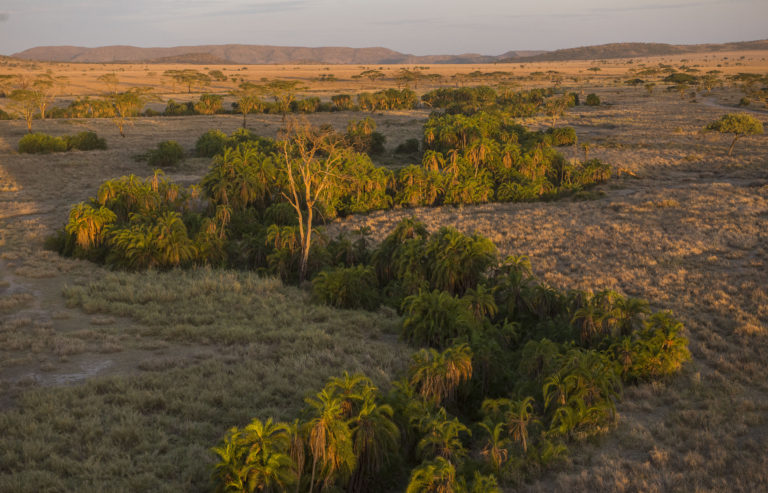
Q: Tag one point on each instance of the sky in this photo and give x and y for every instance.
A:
(419, 27)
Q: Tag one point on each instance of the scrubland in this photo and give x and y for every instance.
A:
(115, 381)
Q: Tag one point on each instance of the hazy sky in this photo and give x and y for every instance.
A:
(419, 27)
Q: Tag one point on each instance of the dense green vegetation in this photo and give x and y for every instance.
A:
(246, 214)
(513, 373)
(40, 143)
(476, 408)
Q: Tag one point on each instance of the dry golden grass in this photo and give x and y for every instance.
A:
(82, 78)
(683, 226)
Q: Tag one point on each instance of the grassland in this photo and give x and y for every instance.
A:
(112, 381)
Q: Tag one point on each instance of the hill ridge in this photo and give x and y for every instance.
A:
(273, 54)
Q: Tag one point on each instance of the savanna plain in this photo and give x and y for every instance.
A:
(115, 379)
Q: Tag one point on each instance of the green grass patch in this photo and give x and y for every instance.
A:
(153, 431)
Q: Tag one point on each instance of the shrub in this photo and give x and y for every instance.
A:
(4, 115)
(39, 143)
(347, 287)
(562, 136)
(172, 108)
(592, 100)
(680, 78)
(745, 101)
(85, 141)
(410, 146)
(210, 143)
(167, 153)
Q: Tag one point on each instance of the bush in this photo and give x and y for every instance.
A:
(562, 136)
(172, 108)
(592, 100)
(4, 115)
(168, 153)
(410, 146)
(347, 287)
(85, 141)
(39, 143)
(210, 143)
(745, 101)
(680, 78)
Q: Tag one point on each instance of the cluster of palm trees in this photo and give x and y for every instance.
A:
(144, 223)
(525, 369)
(468, 159)
(469, 100)
(349, 437)
(485, 156)
(387, 99)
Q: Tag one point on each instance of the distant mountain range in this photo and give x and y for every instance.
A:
(260, 54)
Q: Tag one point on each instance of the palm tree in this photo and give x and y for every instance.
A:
(442, 437)
(230, 472)
(438, 375)
(519, 418)
(496, 449)
(481, 302)
(629, 312)
(330, 439)
(88, 224)
(588, 319)
(171, 241)
(353, 390)
(624, 351)
(437, 476)
(297, 450)
(457, 261)
(555, 391)
(435, 318)
(375, 438)
(254, 459)
(270, 467)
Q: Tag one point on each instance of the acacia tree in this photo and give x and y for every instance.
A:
(283, 92)
(189, 78)
(371, 75)
(556, 106)
(311, 160)
(738, 124)
(31, 95)
(43, 90)
(127, 105)
(110, 80)
(248, 96)
(23, 101)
